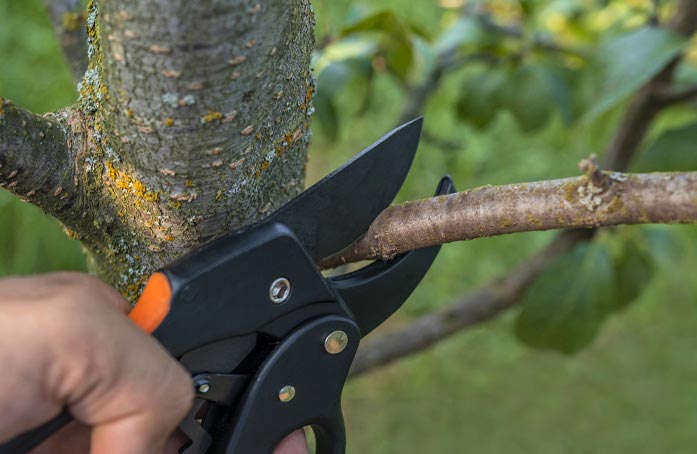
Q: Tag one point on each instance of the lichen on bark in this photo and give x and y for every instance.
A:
(192, 121)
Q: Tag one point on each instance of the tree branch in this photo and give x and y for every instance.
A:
(545, 205)
(472, 308)
(633, 127)
(36, 162)
(68, 20)
(677, 95)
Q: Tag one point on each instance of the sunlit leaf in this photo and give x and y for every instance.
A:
(466, 30)
(565, 306)
(673, 150)
(625, 62)
(353, 47)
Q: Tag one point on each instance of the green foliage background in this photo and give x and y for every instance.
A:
(624, 304)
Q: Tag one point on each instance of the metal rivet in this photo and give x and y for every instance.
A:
(203, 387)
(286, 394)
(336, 342)
(279, 290)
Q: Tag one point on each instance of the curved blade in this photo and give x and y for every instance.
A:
(333, 212)
(376, 291)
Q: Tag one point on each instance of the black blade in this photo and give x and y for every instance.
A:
(376, 291)
(333, 212)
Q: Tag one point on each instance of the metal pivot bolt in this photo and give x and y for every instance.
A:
(336, 342)
(203, 387)
(279, 290)
(286, 394)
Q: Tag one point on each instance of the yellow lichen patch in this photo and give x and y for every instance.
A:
(189, 183)
(169, 238)
(71, 233)
(308, 97)
(507, 221)
(176, 204)
(263, 166)
(211, 116)
(616, 204)
(569, 191)
(127, 183)
(169, 122)
(219, 195)
(132, 292)
(73, 20)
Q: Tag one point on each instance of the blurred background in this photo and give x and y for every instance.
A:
(516, 91)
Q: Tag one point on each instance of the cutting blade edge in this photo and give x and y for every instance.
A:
(336, 210)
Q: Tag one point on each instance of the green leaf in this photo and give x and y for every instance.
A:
(565, 306)
(326, 115)
(344, 50)
(533, 99)
(465, 31)
(627, 61)
(634, 269)
(674, 150)
(397, 44)
(482, 96)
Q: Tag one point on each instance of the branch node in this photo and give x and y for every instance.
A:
(592, 170)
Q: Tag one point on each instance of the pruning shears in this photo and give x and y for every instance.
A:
(267, 338)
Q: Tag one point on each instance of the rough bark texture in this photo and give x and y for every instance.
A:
(192, 120)
(618, 198)
(36, 162)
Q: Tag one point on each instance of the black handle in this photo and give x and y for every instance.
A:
(30, 440)
(299, 385)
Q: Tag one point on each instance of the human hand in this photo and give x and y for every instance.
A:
(68, 343)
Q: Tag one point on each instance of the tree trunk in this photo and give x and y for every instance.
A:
(192, 120)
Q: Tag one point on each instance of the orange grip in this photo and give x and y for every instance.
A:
(154, 303)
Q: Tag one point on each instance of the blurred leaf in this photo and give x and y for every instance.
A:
(333, 78)
(665, 244)
(397, 43)
(634, 269)
(564, 307)
(674, 150)
(464, 31)
(326, 115)
(482, 96)
(343, 50)
(626, 62)
(533, 98)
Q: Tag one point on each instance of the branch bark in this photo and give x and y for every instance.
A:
(545, 205)
(68, 21)
(36, 161)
